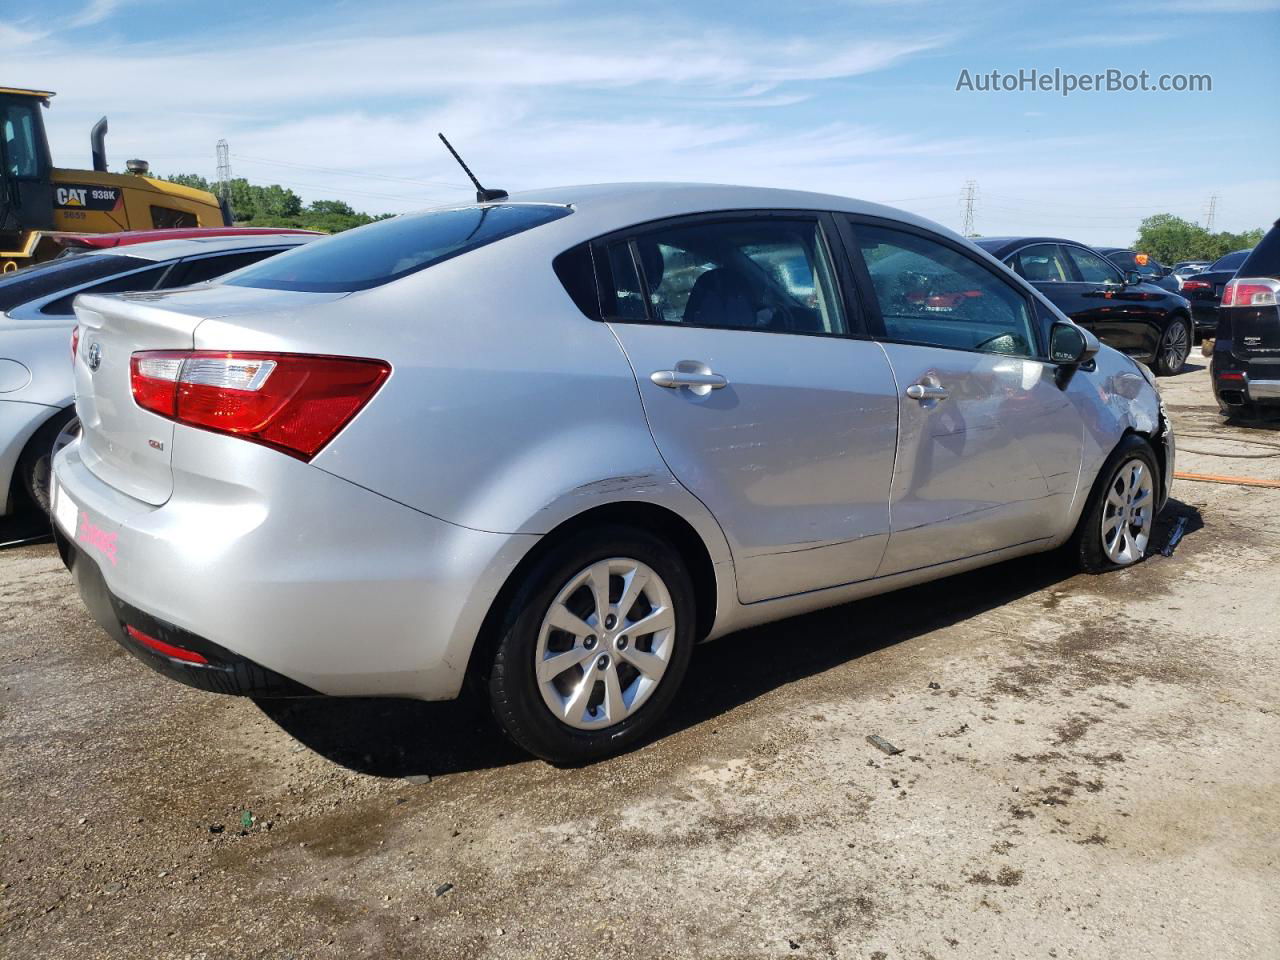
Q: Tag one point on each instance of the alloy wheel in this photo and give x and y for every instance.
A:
(1177, 347)
(605, 643)
(1128, 513)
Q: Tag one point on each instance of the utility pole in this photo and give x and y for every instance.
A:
(224, 171)
(1213, 210)
(970, 195)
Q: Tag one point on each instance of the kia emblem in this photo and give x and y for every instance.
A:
(94, 358)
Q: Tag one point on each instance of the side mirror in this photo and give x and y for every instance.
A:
(1132, 278)
(1070, 346)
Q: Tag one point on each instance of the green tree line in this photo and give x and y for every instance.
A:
(253, 205)
(1169, 239)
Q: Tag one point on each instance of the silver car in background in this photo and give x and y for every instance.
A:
(37, 318)
(548, 444)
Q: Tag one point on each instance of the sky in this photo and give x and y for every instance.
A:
(342, 100)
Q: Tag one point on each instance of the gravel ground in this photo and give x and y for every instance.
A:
(1090, 769)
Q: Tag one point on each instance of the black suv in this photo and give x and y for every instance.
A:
(1147, 322)
(1246, 352)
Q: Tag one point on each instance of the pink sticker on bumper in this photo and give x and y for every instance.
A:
(94, 536)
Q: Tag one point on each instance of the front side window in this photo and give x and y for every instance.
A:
(931, 294)
(1042, 263)
(1093, 268)
(18, 126)
(390, 249)
(768, 274)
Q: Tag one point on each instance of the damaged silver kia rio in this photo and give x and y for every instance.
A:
(549, 443)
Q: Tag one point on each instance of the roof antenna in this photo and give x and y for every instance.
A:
(482, 195)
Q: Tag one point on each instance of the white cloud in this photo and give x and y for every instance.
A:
(95, 11)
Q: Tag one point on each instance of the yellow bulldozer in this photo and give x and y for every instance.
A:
(40, 202)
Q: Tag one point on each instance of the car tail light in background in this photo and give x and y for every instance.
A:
(75, 342)
(293, 402)
(1196, 284)
(1250, 292)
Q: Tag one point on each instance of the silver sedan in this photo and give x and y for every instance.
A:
(548, 444)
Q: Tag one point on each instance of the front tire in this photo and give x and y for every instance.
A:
(1175, 347)
(593, 645)
(1115, 528)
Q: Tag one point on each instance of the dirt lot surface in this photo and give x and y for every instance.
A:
(1090, 768)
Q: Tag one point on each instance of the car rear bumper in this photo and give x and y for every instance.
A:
(221, 672)
(1238, 382)
(305, 575)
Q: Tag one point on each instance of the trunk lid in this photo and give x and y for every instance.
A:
(125, 446)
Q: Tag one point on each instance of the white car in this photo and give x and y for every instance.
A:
(36, 320)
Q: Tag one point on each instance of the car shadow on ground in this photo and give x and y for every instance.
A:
(405, 738)
(23, 528)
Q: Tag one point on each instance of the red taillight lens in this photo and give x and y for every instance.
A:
(1250, 293)
(75, 342)
(1196, 285)
(294, 402)
(168, 649)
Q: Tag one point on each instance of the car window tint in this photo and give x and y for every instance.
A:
(390, 249)
(770, 274)
(187, 272)
(627, 302)
(1093, 268)
(1042, 263)
(42, 279)
(931, 294)
(142, 280)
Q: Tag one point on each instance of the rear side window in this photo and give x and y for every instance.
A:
(142, 280)
(1042, 263)
(43, 279)
(770, 274)
(187, 272)
(390, 249)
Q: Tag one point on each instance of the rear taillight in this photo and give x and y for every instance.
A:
(1250, 292)
(1196, 285)
(293, 402)
(75, 342)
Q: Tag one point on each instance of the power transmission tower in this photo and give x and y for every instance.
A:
(970, 196)
(1213, 210)
(224, 171)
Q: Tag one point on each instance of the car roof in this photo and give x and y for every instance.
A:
(999, 246)
(126, 238)
(602, 207)
(158, 250)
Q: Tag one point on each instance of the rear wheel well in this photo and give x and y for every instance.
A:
(648, 517)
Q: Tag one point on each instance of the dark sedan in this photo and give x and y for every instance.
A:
(1246, 351)
(1204, 290)
(1143, 320)
(1151, 270)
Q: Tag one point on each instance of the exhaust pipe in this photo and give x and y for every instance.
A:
(98, 144)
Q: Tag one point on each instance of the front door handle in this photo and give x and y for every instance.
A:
(927, 391)
(680, 378)
(695, 375)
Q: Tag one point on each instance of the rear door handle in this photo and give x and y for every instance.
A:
(926, 391)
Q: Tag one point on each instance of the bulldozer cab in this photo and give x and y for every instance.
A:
(26, 194)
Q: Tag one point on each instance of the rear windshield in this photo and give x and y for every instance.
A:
(41, 279)
(389, 249)
(1264, 261)
(1231, 261)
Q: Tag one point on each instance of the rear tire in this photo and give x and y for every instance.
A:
(570, 683)
(1175, 347)
(1115, 528)
(35, 466)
